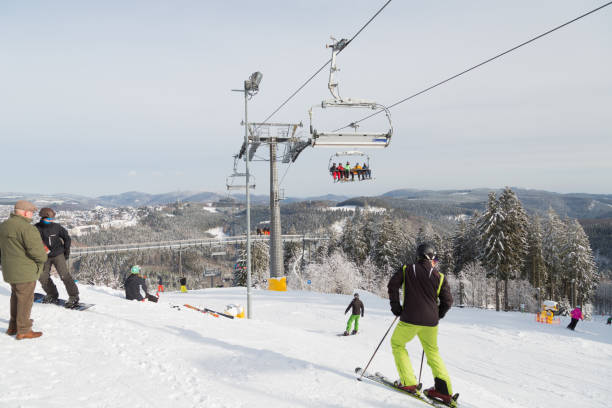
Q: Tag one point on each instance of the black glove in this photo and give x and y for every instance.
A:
(396, 308)
(441, 313)
(66, 257)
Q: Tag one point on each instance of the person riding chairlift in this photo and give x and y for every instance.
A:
(334, 171)
(356, 170)
(340, 170)
(347, 170)
(365, 172)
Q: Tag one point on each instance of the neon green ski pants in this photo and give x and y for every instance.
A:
(403, 333)
(353, 318)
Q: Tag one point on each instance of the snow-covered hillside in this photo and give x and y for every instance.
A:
(134, 354)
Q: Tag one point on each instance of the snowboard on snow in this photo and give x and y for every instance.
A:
(381, 379)
(38, 298)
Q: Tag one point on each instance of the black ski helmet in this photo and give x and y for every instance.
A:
(356, 295)
(425, 251)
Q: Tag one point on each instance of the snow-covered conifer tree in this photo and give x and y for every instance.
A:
(494, 241)
(553, 234)
(535, 267)
(515, 228)
(579, 264)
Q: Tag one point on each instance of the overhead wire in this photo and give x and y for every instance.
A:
(429, 88)
(326, 63)
(317, 72)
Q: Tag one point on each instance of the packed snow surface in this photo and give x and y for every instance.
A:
(135, 354)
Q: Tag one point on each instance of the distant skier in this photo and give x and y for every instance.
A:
(160, 284)
(576, 315)
(422, 285)
(183, 282)
(357, 306)
(609, 321)
(135, 285)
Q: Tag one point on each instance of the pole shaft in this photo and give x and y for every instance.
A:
(248, 206)
(421, 370)
(276, 249)
(381, 340)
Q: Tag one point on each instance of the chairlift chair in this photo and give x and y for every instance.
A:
(347, 139)
(352, 157)
(237, 181)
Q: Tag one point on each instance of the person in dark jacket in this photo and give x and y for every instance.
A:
(423, 286)
(56, 239)
(357, 306)
(160, 284)
(133, 285)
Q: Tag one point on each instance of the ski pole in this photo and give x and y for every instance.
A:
(421, 370)
(381, 340)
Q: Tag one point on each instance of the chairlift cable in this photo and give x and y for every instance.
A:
(317, 72)
(326, 63)
(284, 174)
(477, 65)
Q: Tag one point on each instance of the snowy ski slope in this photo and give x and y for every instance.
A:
(134, 354)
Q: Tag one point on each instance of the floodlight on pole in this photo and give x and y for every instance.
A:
(251, 85)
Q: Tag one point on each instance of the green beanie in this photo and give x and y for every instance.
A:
(135, 269)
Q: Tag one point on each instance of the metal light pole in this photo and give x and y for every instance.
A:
(251, 87)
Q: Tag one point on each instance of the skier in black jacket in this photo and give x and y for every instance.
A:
(357, 306)
(426, 299)
(56, 239)
(133, 284)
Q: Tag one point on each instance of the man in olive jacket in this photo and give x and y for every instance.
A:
(22, 256)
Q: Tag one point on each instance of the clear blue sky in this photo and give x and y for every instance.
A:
(106, 97)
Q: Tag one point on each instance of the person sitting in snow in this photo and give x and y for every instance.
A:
(135, 285)
(357, 306)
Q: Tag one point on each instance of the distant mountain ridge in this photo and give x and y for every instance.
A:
(575, 205)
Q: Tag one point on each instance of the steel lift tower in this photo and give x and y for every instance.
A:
(274, 134)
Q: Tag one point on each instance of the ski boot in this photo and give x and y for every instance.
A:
(50, 299)
(72, 302)
(412, 389)
(346, 333)
(354, 332)
(439, 393)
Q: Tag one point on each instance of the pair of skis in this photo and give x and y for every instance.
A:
(381, 379)
(208, 311)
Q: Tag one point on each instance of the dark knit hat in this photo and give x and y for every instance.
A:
(46, 213)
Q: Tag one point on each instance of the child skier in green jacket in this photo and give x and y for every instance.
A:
(358, 308)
